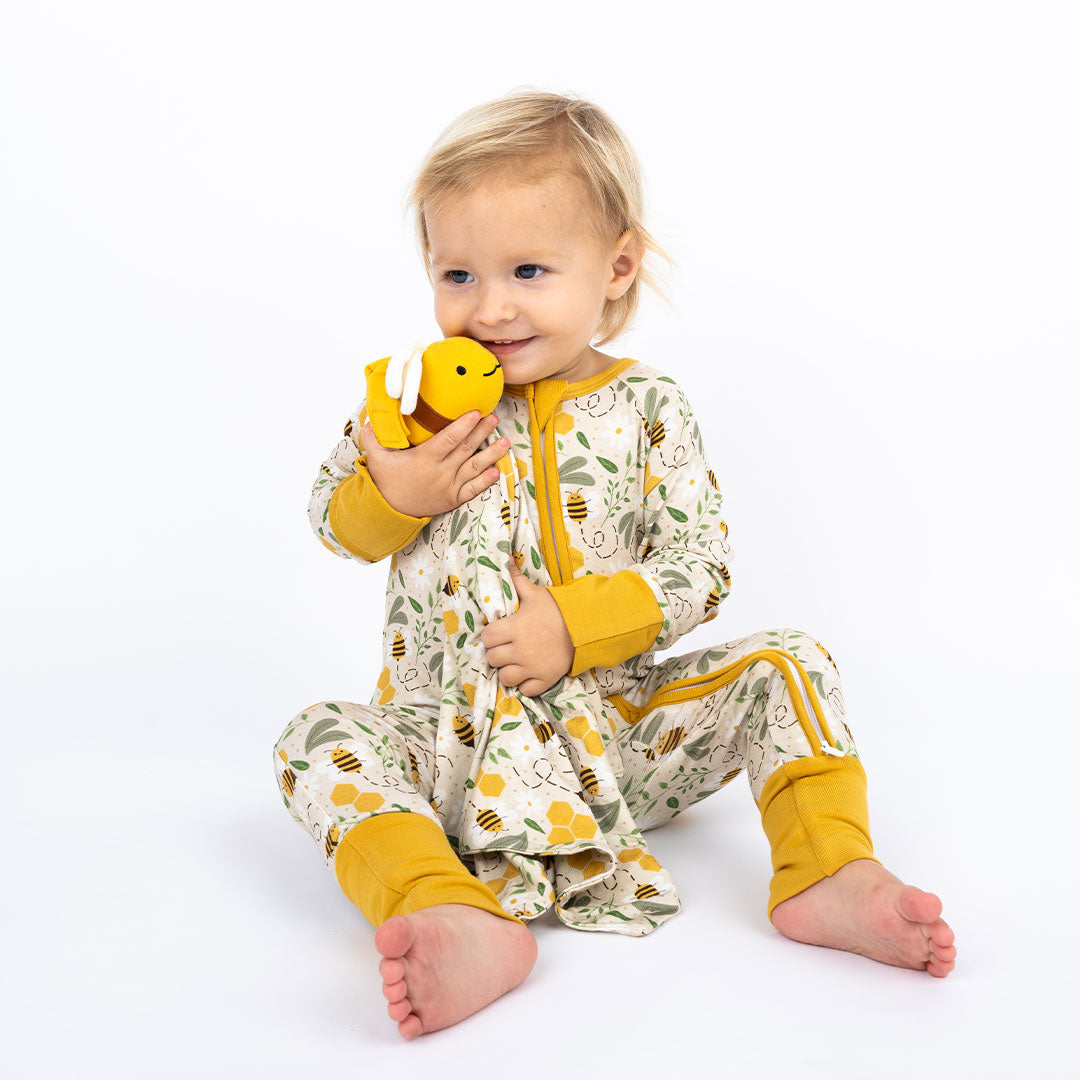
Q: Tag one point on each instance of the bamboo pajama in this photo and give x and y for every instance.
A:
(607, 499)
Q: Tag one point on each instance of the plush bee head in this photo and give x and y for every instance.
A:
(412, 398)
(458, 374)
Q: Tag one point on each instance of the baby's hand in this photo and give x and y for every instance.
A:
(531, 648)
(439, 474)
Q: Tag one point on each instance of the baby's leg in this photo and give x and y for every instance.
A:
(772, 703)
(358, 778)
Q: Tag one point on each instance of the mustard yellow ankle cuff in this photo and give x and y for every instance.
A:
(815, 815)
(397, 863)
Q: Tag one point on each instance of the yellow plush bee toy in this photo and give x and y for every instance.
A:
(412, 397)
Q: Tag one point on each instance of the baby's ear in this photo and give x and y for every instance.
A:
(627, 254)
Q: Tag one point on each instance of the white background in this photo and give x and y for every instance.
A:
(874, 215)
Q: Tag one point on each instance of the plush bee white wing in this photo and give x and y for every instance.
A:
(403, 377)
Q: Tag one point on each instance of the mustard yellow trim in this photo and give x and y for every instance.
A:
(397, 863)
(609, 618)
(364, 523)
(814, 812)
(553, 496)
(695, 687)
(573, 389)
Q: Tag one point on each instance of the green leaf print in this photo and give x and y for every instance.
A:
(396, 614)
(507, 592)
(300, 766)
(334, 735)
(635, 378)
(457, 523)
(609, 465)
(483, 560)
(470, 622)
(333, 708)
(678, 515)
(584, 442)
(460, 643)
(651, 907)
(532, 824)
(416, 606)
(510, 727)
(672, 802)
(605, 814)
(535, 556)
(672, 579)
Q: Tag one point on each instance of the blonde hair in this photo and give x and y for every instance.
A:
(554, 133)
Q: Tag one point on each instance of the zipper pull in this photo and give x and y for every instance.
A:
(831, 751)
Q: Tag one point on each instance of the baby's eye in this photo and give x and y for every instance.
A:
(458, 277)
(529, 271)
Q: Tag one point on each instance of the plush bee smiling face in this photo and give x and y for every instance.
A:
(410, 398)
(459, 374)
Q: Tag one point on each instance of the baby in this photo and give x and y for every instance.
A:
(521, 738)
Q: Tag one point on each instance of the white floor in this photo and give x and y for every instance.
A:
(167, 919)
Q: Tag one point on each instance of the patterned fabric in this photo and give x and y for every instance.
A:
(545, 799)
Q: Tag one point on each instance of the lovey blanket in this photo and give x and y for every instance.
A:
(530, 786)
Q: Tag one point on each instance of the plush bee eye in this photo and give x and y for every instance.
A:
(460, 370)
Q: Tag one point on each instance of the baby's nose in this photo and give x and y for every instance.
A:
(494, 306)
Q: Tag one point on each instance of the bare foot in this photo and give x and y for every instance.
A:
(864, 909)
(443, 963)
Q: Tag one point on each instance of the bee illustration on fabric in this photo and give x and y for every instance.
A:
(725, 574)
(489, 820)
(589, 782)
(519, 558)
(288, 781)
(464, 730)
(828, 656)
(576, 507)
(333, 835)
(712, 600)
(345, 760)
(414, 768)
(348, 427)
(544, 731)
(644, 892)
(722, 526)
(712, 480)
(656, 433)
(670, 742)
(729, 776)
(504, 513)
(452, 585)
(397, 650)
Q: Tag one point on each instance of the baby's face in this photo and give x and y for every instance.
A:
(523, 263)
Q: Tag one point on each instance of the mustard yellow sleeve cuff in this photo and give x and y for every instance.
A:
(365, 523)
(397, 863)
(609, 619)
(815, 815)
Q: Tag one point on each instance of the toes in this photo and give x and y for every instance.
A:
(398, 1010)
(394, 991)
(918, 906)
(410, 1027)
(392, 971)
(945, 954)
(395, 937)
(941, 933)
(939, 969)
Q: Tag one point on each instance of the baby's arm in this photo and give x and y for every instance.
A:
(348, 510)
(679, 575)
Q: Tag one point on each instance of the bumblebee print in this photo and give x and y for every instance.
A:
(668, 744)
(489, 820)
(345, 760)
(464, 730)
(576, 507)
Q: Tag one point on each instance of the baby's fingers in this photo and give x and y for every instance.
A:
(470, 482)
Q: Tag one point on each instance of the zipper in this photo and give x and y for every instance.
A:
(550, 514)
